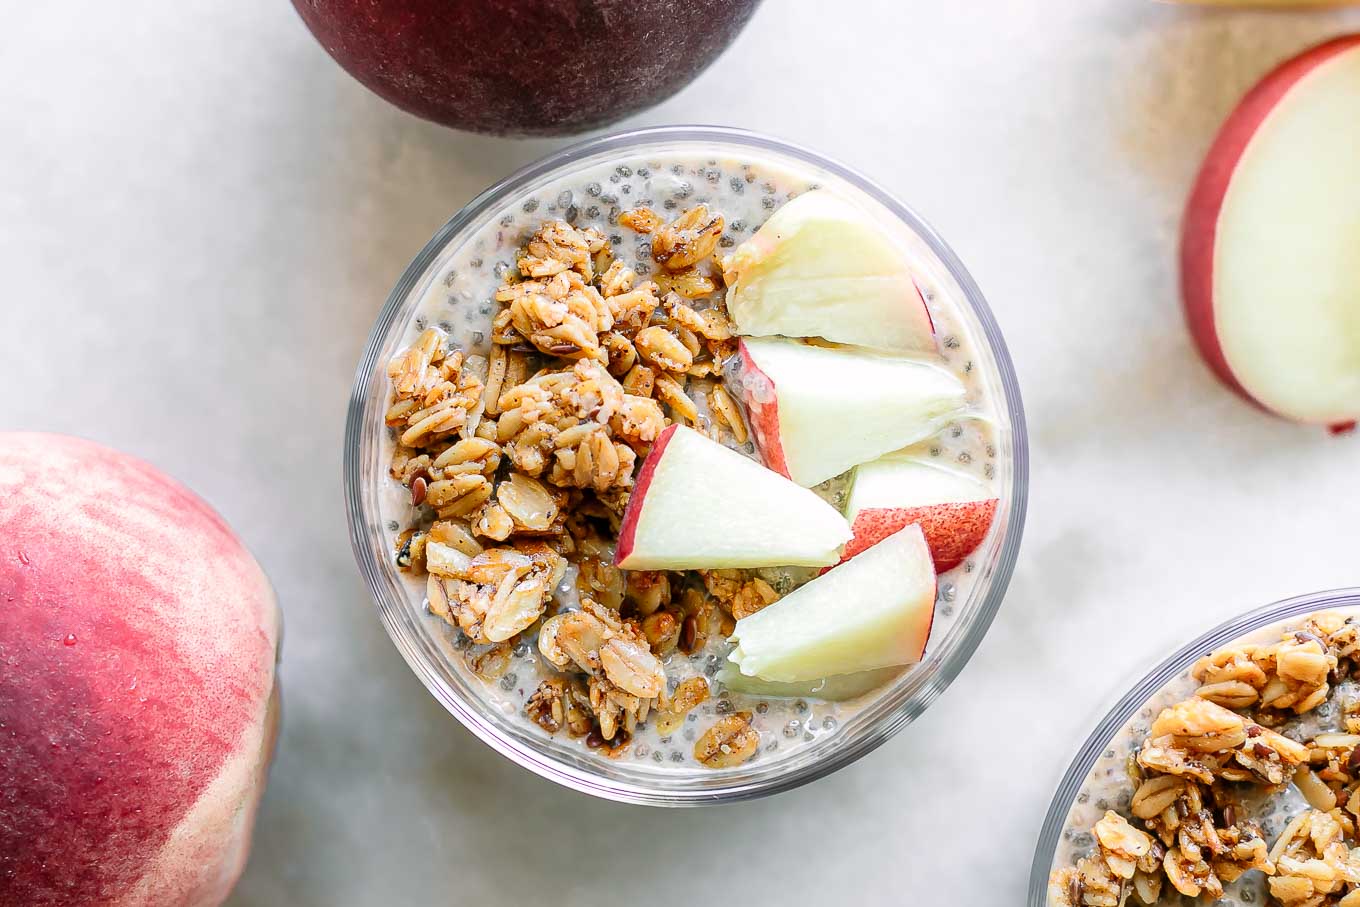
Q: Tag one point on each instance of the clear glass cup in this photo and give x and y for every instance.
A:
(416, 633)
(1177, 665)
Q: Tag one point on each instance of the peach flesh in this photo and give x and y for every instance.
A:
(1201, 227)
(137, 701)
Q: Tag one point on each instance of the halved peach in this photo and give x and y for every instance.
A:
(1271, 241)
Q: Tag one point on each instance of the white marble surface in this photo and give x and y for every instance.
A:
(202, 215)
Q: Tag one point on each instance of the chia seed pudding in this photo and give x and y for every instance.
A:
(1179, 810)
(460, 305)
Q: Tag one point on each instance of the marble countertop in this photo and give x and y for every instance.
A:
(203, 215)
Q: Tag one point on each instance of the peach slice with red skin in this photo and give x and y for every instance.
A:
(954, 511)
(822, 266)
(1268, 246)
(138, 704)
(698, 505)
(874, 611)
(817, 411)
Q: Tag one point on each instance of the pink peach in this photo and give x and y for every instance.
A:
(138, 703)
(1268, 242)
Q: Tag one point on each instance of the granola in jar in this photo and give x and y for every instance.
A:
(561, 340)
(1236, 785)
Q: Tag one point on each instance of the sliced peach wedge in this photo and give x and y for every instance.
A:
(698, 505)
(873, 611)
(836, 688)
(1270, 248)
(954, 510)
(821, 266)
(817, 411)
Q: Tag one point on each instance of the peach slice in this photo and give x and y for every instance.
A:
(698, 505)
(1270, 239)
(817, 411)
(823, 267)
(874, 611)
(837, 688)
(954, 510)
(138, 704)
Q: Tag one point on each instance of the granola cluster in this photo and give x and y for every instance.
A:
(1208, 756)
(520, 466)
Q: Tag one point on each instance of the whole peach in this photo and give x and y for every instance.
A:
(138, 704)
(525, 67)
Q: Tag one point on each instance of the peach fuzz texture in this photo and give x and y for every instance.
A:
(632, 512)
(1199, 229)
(759, 394)
(953, 531)
(138, 705)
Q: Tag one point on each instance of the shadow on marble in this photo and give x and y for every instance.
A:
(1188, 68)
